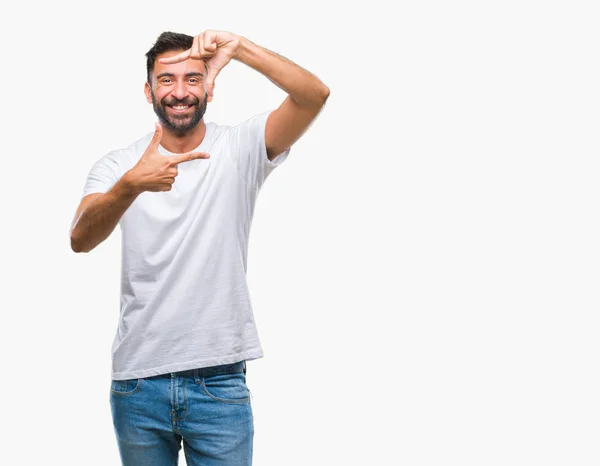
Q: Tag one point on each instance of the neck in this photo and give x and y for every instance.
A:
(181, 143)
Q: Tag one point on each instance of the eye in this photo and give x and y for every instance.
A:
(193, 80)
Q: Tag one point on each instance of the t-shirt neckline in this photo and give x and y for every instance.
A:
(200, 148)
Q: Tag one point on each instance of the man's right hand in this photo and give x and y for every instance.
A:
(157, 172)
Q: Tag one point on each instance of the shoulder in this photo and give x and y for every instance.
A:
(249, 130)
(137, 147)
(255, 121)
(122, 154)
(120, 160)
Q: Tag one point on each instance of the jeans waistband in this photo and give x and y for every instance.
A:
(232, 368)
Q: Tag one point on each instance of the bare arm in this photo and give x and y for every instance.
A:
(306, 95)
(303, 87)
(98, 215)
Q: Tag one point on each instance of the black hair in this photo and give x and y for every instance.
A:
(166, 42)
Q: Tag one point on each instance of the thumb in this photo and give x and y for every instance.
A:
(157, 136)
(210, 81)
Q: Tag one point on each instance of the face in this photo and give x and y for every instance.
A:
(177, 93)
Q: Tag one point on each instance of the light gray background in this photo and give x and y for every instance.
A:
(424, 268)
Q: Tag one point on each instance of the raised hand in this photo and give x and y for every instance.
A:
(216, 48)
(157, 172)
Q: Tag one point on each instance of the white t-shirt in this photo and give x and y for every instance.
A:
(184, 297)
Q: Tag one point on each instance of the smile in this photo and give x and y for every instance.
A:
(179, 108)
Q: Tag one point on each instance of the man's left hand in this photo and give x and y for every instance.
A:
(216, 48)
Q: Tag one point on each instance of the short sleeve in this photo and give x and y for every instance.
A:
(249, 151)
(102, 176)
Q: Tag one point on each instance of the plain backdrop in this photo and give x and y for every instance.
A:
(423, 268)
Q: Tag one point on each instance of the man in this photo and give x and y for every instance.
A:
(184, 198)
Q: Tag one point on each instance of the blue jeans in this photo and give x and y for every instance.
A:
(208, 408)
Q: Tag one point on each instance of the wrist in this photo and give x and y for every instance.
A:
(128, 185)
(244, 49)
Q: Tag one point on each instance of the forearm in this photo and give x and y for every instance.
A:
(100, 217)
(301, 85)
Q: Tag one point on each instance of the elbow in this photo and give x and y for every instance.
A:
(76, 247)
(76, 243)
(320, 98)
(79, 249)
(325, 93)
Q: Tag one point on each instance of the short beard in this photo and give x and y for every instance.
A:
(179, 125)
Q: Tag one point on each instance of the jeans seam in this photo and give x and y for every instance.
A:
(223, 400)
(131, 392)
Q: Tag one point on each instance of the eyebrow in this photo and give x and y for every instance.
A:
(187, 75)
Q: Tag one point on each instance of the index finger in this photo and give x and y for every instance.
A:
(177, 159)
(176, 58)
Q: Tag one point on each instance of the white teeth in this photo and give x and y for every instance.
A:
(180, 107)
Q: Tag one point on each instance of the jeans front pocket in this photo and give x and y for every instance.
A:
(226, 388)
(125, 387)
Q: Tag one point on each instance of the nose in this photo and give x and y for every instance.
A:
(180, 90)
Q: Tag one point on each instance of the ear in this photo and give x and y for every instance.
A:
(148, 92)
